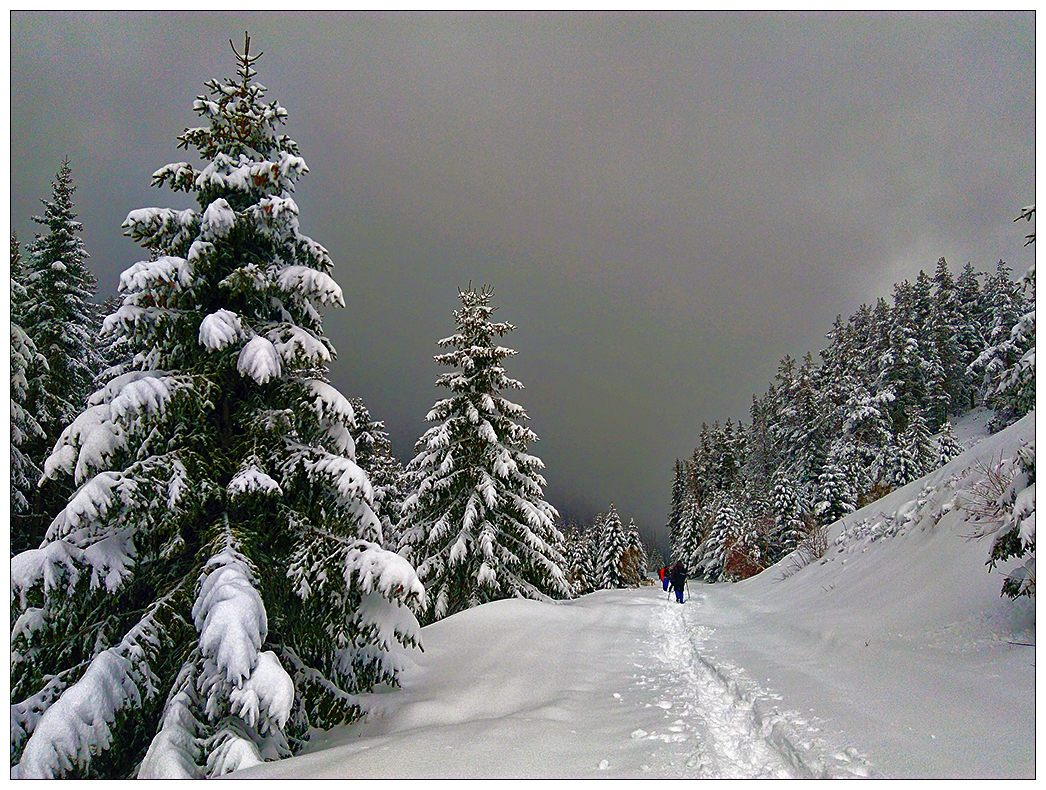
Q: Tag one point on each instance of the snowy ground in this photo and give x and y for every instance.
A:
(894, 656)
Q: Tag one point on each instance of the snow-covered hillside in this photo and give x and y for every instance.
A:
(893, 656)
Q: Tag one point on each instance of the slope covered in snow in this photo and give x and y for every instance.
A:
(892, 656)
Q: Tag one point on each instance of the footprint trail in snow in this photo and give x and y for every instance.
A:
(720, 725)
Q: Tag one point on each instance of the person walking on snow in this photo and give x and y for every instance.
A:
(665, 576)
(678, 580)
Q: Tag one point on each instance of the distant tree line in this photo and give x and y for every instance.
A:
(871, 415)
(605, 554)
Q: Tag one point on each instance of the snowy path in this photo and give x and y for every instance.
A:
(722, 725)
(616, 684)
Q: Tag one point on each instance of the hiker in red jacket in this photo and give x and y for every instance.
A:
(664, 576)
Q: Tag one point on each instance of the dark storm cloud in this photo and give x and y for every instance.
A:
(666, 204)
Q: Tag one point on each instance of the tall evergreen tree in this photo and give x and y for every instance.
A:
(613, 547)
(696, 525)
(478, 526)
(917, 443)
(834, 496)
(950, 334)
(1005, 365)
(675, 512)
(726, 525)
(580, 566)
(216, 586)
(59, 314)
(635, 559)
(374, 456)
(59, 317)
(861, 447)
(791, 516)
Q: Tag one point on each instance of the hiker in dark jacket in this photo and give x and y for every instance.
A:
(678, 580)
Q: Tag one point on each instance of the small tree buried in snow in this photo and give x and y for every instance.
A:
(477, 525)
(216, 586)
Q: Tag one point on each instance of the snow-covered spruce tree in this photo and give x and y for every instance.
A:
(710, 557)
(216, 586)
(59, 314)
(916, 441)
(834, 498)
(613, 546)
(1016, 535)
(580, 573)
(26, 365)
(675, 511)
(634, 561)
(60, 318)
(374, 456)
(864, 437)
(947, 446)
(748, 544)
(477, 526)
(1007, 362)
(699, 523)
(791, 515)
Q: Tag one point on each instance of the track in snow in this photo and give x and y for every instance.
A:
(719, 724)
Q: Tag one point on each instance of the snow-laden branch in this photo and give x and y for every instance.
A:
(78, 725)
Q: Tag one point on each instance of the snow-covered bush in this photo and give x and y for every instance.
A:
(216, 586)
(1002, 506)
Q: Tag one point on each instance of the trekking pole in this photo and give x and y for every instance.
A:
(687, 589)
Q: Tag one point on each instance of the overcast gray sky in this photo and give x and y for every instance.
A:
(666, 204)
